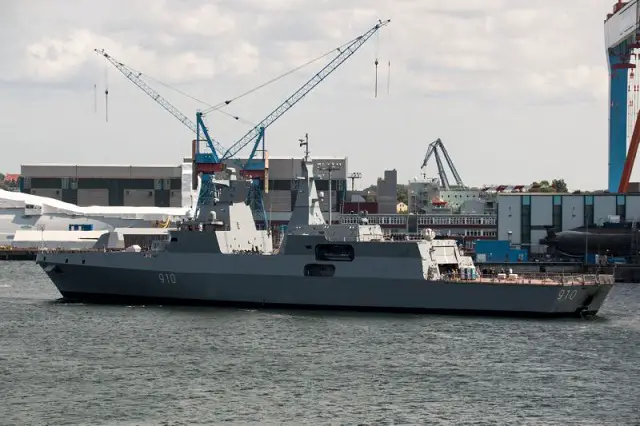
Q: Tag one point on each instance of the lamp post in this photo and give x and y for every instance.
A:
(353, 176)
(329, 167)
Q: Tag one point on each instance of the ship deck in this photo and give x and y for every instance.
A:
(543, 279)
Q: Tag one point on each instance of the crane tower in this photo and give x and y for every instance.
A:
(622, 43)
(433, 151)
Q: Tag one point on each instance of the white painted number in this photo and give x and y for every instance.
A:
(567, 294)
(167, 278)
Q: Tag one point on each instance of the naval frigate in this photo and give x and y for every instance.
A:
(226, 260)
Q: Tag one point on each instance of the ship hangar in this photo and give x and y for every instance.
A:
(523, 219)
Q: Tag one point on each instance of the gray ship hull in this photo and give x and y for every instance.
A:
(259, 281)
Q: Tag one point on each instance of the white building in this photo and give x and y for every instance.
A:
(426, 195)
(524, 218)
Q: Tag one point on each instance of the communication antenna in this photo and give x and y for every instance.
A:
(305, 142)
(353, 176)
(106, 92)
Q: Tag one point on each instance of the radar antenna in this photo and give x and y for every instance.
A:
(305, 142)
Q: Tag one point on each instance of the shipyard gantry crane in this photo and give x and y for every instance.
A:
(344, 53)
(622, 46)
(213, 159)
(433, 151)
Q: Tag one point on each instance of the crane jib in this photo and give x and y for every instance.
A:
(342, 56)
(255, 134)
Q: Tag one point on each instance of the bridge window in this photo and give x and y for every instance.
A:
(316, 270)
(335, 252)
(81, 227)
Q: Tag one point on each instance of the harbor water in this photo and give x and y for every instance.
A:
(78, 364)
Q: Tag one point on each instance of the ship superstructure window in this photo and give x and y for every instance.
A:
(316, 270)
(81, 227)
(335, 252)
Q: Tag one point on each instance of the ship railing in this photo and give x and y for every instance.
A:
(553, 279)
(422, 219)
(68, 250)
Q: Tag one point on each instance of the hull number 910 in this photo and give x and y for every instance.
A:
(567, 294)
(166, 278)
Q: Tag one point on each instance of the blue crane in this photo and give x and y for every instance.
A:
(257, 133)
(207, 163)
(258, 169)
(199, 128)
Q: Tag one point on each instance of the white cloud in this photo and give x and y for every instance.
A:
(492, 54)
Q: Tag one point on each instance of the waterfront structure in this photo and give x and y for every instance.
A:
(523, 219)
(21, 211)
(162, 186)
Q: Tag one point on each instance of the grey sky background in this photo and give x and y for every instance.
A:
(516, 89)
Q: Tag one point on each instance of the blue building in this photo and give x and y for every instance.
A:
(499, 251)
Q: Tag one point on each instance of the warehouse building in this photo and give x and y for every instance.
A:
(524, 218)
(105, 185)
(160, 186)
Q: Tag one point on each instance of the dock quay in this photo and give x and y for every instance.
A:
(10, 253)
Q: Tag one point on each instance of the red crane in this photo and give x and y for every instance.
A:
(631, 157)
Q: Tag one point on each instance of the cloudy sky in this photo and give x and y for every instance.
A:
(516, 89)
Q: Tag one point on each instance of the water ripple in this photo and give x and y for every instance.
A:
(101, 365)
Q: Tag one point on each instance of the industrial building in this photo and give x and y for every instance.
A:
(283, 171)
(160, 186)
(106, 185)
(523, 219)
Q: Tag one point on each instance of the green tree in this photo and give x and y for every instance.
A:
(556, 185)
(402, 194)
(547, 189)
(370, 194)
(559, 185)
